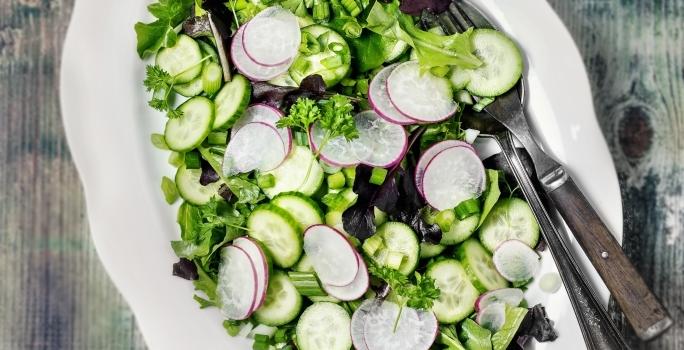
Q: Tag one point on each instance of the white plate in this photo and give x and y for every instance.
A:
(108, 125)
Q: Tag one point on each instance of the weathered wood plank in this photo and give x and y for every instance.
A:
(634, 54)
(54, 292)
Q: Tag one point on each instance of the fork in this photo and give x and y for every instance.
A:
(643, 310)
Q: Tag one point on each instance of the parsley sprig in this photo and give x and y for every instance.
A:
(418, 295)
(161, 84)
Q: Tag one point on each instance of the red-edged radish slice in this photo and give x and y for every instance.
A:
(420, 95)
(337, 151)
(358, 323)
(380, 101)
(272, 37)
(492, 317)
(516, 261)
(416, 329)
(266, 114)
(252, 70)
(430, 153)
(256, 253)
(509, 296)
(332, 256)
(452, 176)
(355, 289)
(256, 146)
(237, 283)
(380, 143)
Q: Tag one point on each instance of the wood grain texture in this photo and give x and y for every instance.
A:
(54, 293)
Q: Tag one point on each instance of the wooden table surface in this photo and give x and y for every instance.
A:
(54, 293)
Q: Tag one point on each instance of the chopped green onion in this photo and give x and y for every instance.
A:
(482, 103)
(159, 141)
(261, 338)
(362, 87)
(467, 208)
(352, 7)
(280, 336)
(266, 180)
(309, 45)
(301, 66)
(336, 47)
(350, 174)
(332, 62)
(379, 216)
(233, 327)
(340, 201)
(217, 138)
(301, 139)
(321, 10)
(212, 78)
(372, 245)
(352, 29)
(378, 176)
(444, 219)
(393, 260)
(169, 189)
(336, 180)
(348, 82)
(463, 96)
(192, 160)
(176, 159)
(327, 168)
(306, 283)
(261, 345)
(338, 10)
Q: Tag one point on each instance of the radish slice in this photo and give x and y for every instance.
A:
(416, 330)
(380, 101)
(272, 37)
(355, 289)
(492, 317)
(337, 151)
(358, 323)
(420, 95)
(258, 257)
(256, 146)
(249, 68)
(430, 153)
(380, 143)
(237, 283)
(509, 296)
(452, 176)
(516, 261)
(266, 114)
(332, 256)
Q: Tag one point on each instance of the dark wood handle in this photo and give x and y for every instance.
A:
(642, 309)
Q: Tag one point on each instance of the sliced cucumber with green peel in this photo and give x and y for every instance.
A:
(283, 303)
(457, 296)
(428, 250)
(398, 241)
(459, 78)
(278, 232)
(502, 63)
(479, 265)
(231, 101)
(190, 89)
(302, 208)
(186, 132)
(299, 172)
(182, 61)
(511, 218)
(332, 61)
(189, 187)
(324, 326)
(304, 264)
(460, 230)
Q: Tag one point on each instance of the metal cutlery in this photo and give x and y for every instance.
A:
(640, 306)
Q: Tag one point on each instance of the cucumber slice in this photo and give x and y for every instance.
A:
(231, 101)
(479, 266)
(283, 302)
(459, 78)
(278, 232)
(428, 250)
(304, 264)
(502, 63)
(460, 230)
(189, 187)
(458, 295)
(190, 89)
(302, 208)
(186, 132)
(182, 61)
(299, 172)
(332, 66)
(398, 238)
(510, 218)
(325, 299)
(324, 326)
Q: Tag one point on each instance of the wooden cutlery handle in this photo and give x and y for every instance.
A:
(642, 309)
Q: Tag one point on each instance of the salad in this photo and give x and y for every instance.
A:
(330, 197)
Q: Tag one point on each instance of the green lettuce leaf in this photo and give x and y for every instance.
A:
(161, 33)
(492, 195)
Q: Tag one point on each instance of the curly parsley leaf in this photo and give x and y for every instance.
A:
(418, 295)
(160, 82)
(337, 118)
(303, 113)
